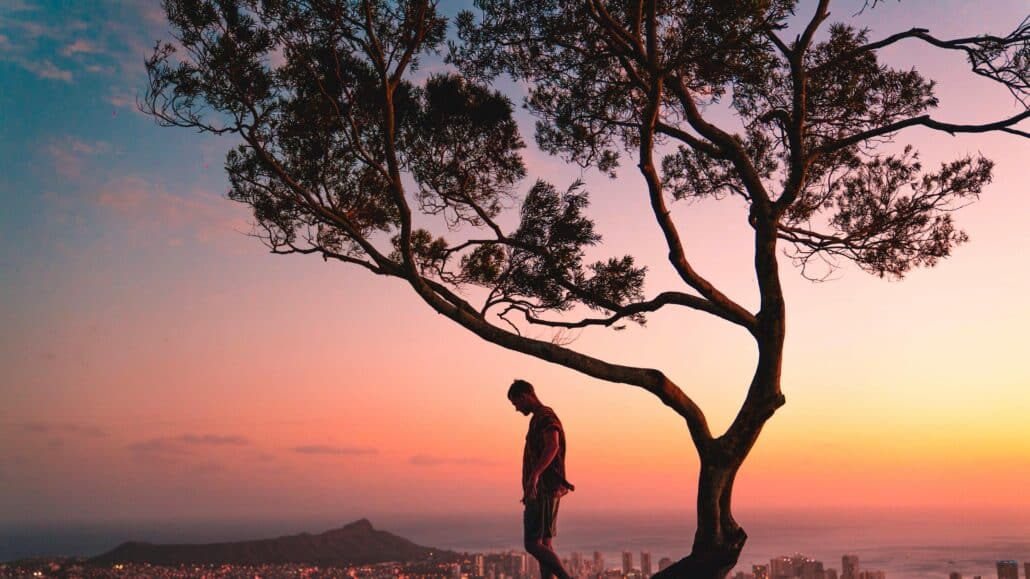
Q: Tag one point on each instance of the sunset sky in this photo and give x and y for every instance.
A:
(155, 362)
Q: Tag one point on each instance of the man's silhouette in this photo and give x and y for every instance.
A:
(543, 477)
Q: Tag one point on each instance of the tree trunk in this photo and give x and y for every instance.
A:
(719, 539)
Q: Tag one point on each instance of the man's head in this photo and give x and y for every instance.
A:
(523, 397)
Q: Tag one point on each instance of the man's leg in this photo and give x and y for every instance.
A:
(550, 564)
(540, 527)
(549, 575)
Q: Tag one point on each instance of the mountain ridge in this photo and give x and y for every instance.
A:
(356, 543)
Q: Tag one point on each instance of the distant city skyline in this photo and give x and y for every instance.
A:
(513, 564)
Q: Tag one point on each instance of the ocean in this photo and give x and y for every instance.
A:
(905, 544)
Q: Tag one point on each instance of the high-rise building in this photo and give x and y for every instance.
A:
(830, 573)
(810, 569)
(477, 565)
(518, 564)
(627, 562)
(954, 575)
(645, 563)
(798, 560)
(1008, 570)
(598, 562)
(576, 560)
(849, 567)
(781, 568)
(664, 563)
(760, 571)
(872, 575)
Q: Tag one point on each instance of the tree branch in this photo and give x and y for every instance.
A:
(677, 256)
(661, 300)
(409, 50)
(797, 127)
(981, 50)
(926, 121)
(446, 303)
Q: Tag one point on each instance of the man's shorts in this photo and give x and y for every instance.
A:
(540, 519)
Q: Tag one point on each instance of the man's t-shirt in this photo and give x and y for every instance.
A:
(552, 480)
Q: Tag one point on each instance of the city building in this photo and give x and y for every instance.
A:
(830, 573)
(811, 569)
(781, 568)
(849, 567)
(598, 562)
(663, 563)
(578, 567)
(954, 575)
(1008, 570)
(645, 563)
(760, 571)
(627, 562)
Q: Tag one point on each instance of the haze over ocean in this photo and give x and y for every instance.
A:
(907, 544)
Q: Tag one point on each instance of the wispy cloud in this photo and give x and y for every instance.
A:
(24, 40)
(213, 440)
(62, 428)
(70, 155)
(428, 460)
(144, 205)
(42, 68)
(78, 40)
(122, 100)
(324, 449)
(81, 46)
(186, 443)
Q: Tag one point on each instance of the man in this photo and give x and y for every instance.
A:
(543, 478)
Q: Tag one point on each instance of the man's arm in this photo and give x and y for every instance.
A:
(548, 453)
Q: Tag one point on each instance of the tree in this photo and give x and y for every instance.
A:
(342, 155)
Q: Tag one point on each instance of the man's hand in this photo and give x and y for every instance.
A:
(532, 488)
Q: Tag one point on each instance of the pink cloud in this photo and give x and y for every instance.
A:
(70, 155)
(45, 69)
(121, 98)
(146, 207)
(80, 46)
(152, 13)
